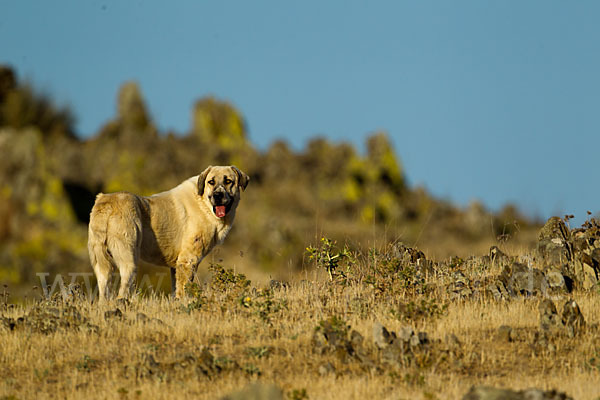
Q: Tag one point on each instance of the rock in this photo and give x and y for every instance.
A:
(414, 257)
(414, 341)
(206, 364)
(556, 280)
(586, 274)
(406, 333)
(319, 342)
(498, 257)
(555, 251)
(452, 341)
(356, 339)
(326, 369)
(572, 318)
(277, 285)
(116, 314)
(549, 319)
(459, 288)
(74, 293)
(554, 228)
(497, 290)
(505, 334)
(596, 256)
(123, 303)
(381, 336)
(521, 280)
(491, 393)
(257, 391)
(395, 355)
(570, 323)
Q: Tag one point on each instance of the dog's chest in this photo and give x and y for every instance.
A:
(205, 240)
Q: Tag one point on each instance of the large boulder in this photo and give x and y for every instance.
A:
(492, 393)
(554, 246)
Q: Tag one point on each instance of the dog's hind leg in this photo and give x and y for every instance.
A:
(173, 281)
(103, 269)
(125, 252)
(127, 263)
(101, 261)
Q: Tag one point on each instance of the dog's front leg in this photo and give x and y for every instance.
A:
(184, 273)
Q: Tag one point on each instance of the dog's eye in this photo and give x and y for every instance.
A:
(227, 181)
(211, 182)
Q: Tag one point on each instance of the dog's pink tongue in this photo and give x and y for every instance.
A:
(220, 211)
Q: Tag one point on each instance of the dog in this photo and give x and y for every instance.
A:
(176, 228)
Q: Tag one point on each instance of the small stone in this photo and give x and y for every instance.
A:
(549, 319)
(276, 285)
(572, 318)
(123, 303)
(326, 369)
(381, 336)
(504, 334)
(319, 342)
(356, 338)
(406, 333)
(415, 341)
(452, 341)
(491, 393)
(498, 291)
(497, 256)
(116, 313)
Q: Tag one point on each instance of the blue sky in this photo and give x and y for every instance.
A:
(491, 100)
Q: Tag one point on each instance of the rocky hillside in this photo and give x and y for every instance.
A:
(49, 178)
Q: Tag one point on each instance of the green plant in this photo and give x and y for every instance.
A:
(226, 280)
(264, 305)
(251, 369)
(86, 364)
(260, 351)
(393, 274)
(197, 298)
(326, 256)
(334, 325)
(297, 394)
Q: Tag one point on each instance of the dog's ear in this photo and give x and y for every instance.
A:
(202, 180)
(243, 179)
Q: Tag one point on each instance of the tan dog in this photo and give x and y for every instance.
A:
(176, 228)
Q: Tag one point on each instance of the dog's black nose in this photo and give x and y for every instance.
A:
(218, 196)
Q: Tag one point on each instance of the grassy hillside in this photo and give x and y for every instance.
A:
(339, 279)
(389, 324)
(49, 178)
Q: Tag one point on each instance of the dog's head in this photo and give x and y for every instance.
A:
(220, 187)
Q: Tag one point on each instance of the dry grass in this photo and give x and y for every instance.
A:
(256, 334)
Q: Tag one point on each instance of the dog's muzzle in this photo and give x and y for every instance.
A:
(221, 202)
